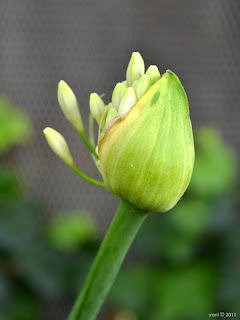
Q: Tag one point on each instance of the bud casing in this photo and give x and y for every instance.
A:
(147, 154)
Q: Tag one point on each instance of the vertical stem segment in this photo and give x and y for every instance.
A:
(88, 144)
(122, 231)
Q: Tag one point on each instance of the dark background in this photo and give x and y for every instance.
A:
(88, 44)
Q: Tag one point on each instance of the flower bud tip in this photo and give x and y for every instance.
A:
(153, 74)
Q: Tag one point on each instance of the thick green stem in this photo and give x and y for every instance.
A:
(111, 254)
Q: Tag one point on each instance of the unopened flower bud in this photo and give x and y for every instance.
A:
(118, 94)
(153, 73)
(97, 106)
(68, 103)
(111, 114)
(125, 83)
(128, 101)
(147, 154)
(134, 84)
(104, 117)
(142, 86)
(135, 68)
(58, 145)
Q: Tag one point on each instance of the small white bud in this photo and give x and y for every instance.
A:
(118, 94)
(68, 103)
(142, 86)
(128, 101)
(153, 73)
(97, 106)
(125, 83)
(134, 83)
(111, 114)
(135, 68)
(104, 117)
(58, 145)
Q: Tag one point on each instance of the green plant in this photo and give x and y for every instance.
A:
(145, 154)
(15, 126)
(197, 241)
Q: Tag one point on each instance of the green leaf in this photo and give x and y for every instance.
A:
(183, 293)
(191, 217)
(132, 290)
(23, 305)
(71, 230)
(19, 226)
(10, 186)
(51, 273)
(15, 126)
(215, 169)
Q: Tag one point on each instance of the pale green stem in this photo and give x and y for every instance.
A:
(122, 231)
(91, 137)
(91, 127)
(87, 178)
(88, 144)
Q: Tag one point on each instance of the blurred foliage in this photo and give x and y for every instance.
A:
(15, 126)
(69, 231)
(184, 264)
(215, 165)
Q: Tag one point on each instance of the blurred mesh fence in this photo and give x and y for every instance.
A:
(88, 44)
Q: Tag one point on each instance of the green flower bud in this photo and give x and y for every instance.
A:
(147, 154)
(97, 106)
(135, 68)
(111, 114)
(68, 103)
(153, 74)
(118, 94)
(58, 145)
(134, 84)
(128, 101)
(125, 83)
(142, 86)
(104, 117)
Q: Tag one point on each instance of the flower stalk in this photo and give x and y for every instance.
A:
(121, 233)
(145, 155)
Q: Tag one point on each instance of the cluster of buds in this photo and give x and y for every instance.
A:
(125, 94)
(145, 149)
